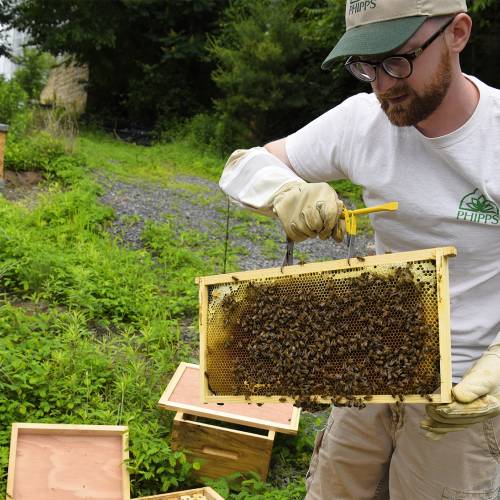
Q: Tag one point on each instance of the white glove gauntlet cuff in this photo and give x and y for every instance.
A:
(253, 177)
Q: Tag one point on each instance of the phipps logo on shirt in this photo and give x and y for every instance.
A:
(356, 6)
(475, 207)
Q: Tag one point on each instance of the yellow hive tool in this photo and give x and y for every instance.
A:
(349, 216)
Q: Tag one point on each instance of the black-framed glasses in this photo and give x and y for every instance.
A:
(398, 66)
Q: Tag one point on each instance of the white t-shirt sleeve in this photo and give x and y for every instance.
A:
(320, 151)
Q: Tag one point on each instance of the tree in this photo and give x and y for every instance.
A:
(145, 57)
(268, 55)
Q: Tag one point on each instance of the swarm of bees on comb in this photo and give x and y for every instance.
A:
(339, 342)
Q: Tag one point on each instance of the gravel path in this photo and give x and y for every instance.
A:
(198, 204)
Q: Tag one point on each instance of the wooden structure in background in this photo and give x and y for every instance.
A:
(68, 462)
(3, 135)
(224, 439)
(205, 493)
(429, 266)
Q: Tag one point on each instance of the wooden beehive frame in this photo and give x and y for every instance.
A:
(222, 413)
(438, 255)
(97, 431)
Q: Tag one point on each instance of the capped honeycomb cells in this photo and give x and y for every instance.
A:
(370, 330)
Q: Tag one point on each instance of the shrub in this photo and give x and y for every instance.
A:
(214, 132)
(33, 71)
(32, 152)
(13, 100)
(66, 169)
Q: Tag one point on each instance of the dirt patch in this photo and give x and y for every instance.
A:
(23, 187)
(22, 179)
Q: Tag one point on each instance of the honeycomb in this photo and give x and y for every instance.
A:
(331, 336)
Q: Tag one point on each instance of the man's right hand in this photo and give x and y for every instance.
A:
(307, 210)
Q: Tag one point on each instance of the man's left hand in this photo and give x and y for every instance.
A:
(477, 398)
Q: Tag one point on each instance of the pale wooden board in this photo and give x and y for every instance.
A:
(183, 394)
(209, 493)
(222, 451)
(439, 255)
(65, 462)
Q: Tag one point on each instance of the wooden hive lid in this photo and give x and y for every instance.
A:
(183, 394)
(59, 462)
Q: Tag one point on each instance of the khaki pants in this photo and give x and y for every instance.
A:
(380, 452)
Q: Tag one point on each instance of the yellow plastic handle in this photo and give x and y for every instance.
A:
(393, 205)
(350, 215)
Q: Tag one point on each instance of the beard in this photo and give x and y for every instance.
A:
(417, 107)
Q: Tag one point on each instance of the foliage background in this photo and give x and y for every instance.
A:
(229, 74)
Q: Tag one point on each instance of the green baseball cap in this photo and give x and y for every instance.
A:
(380, 26)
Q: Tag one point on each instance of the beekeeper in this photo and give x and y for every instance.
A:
(427, 136)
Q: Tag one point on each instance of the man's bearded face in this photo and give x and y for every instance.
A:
(416, 107)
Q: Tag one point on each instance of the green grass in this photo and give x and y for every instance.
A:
(159, 163)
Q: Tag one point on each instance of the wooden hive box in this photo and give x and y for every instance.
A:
(205, 493)
(68, 462)
(270, 335)
(223, 439)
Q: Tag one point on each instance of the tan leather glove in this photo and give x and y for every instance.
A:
(477, 398)
(307, 210)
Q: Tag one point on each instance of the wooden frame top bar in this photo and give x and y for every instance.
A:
(330, 265)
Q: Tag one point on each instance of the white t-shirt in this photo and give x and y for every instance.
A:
(448, 189)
